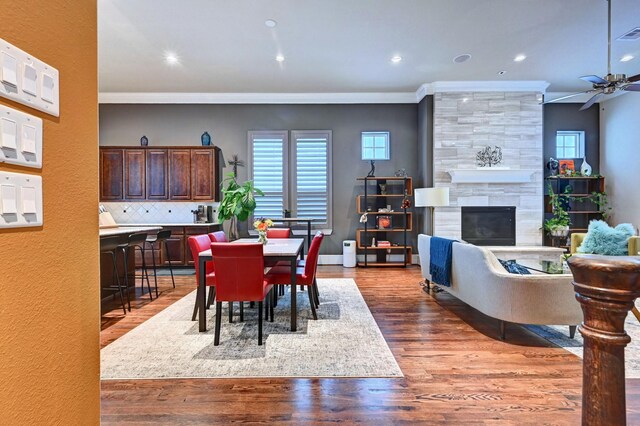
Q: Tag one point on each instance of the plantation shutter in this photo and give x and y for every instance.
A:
(268, 151)
(312, 175)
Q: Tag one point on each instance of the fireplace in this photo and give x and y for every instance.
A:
(489, 226)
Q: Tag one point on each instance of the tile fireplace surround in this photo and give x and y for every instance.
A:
(466, 122)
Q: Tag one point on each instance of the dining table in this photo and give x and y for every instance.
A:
(291, 220)
(286, 249)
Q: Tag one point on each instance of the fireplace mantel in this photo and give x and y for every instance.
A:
(491, 175)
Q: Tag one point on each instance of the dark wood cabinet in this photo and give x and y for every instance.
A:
(157, 174)
(134, 174)
(111, 174)
(180, 174)
(176, 246)
(160, 174)
(203, 171)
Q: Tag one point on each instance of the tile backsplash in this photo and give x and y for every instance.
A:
(154, 212)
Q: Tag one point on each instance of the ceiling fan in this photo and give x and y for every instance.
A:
(608, 84)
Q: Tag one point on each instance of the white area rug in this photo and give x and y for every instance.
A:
(559, 335)
(345, 341)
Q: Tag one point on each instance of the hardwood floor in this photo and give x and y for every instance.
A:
(456, 370)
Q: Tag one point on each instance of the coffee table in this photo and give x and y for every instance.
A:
(544, 266)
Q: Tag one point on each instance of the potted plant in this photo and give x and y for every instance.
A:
(558, 225)
(238, 202)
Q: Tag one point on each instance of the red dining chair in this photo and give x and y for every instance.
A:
(278, 233)
(218, 237)
(197, 244)
(240, 278)
(306, 275)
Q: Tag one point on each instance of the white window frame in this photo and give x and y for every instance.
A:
(580, 148)
(374, 134)
(276, 134)
(289, 168)
(328, 134)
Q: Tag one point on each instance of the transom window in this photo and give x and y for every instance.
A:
(570, 144)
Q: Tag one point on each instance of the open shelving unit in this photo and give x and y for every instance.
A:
(372, 199)
(580, 212)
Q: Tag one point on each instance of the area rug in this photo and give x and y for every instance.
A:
(345, 341)
(559, 335)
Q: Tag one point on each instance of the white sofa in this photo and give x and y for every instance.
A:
(479, 280)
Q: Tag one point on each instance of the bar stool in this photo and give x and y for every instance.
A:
(109, 245)
(136, 241)
(159, 238)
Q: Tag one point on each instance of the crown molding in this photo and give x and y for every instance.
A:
(256, 98)
(480, 86)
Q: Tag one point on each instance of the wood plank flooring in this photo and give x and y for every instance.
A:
(456, 371)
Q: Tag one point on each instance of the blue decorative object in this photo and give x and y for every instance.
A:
(514, 268)
(206, 139)
(144, 141)
(440, 260)
(605, 240)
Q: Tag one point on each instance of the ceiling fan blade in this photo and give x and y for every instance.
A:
(566, 97)
(634, 78)
(632, 87)
(594, 79)
(595, 98)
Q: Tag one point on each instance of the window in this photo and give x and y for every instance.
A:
(375, 145)
(570, 144)
(294, 176)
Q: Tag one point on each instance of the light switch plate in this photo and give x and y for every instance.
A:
(20, 138)
(19, 83)
(20, 200)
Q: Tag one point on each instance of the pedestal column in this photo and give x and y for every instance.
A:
(606, 287)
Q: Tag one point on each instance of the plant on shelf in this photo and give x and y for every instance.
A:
(238, 202)
(601, 200)
(558, 225)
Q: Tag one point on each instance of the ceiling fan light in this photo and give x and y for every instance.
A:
(626, 58)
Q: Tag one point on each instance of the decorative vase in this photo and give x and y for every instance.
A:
(144, 141)
(585, 169)
(262, 237)
(206, 139)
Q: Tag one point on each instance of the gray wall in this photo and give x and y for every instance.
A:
(620, 132)
(228, 125)
(569, 117)
(425, 158)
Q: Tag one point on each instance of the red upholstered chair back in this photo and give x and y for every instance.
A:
(218, 237)
(311, 263)
(278, 232)
(239, 272)
(198, 243)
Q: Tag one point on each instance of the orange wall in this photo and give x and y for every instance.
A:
(49, 291)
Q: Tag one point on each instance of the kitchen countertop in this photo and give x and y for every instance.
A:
(168, 224)
(107, 232)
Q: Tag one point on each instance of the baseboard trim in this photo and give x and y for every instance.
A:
(336, 259)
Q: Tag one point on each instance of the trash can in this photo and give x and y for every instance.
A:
(349, 253)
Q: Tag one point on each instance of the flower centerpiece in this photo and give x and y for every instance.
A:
(261, 225)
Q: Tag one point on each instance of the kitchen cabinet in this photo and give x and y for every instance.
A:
(111, 174)
(134, 174)
(203, 171)
(180, 174)
(157, 174)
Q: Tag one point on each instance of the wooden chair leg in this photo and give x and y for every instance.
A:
(230, 312)
(216, 339)
(271, 305)
(312, 302)
(260, 323)
(572, 331)
(212, 295)
(316, 293)
(195, 311)
(241, 311)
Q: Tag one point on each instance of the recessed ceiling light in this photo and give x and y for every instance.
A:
(502, 72)
(462, 58)
(171, 58)
(270, 23)
(280, 58)
(626, 58)
(520, 58)
(396, 59)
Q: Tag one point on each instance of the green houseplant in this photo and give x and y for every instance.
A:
(238, 202)
(558, 225)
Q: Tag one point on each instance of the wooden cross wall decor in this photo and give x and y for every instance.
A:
(235, 162)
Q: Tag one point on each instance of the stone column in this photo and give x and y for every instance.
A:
(606, 287)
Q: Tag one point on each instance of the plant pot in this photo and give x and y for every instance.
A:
(561, 231)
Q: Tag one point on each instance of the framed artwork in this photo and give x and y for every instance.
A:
(567, 167)
(383, 222)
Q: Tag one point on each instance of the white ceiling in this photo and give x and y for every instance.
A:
(335, 46)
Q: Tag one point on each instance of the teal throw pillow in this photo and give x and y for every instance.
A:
(605, 240)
